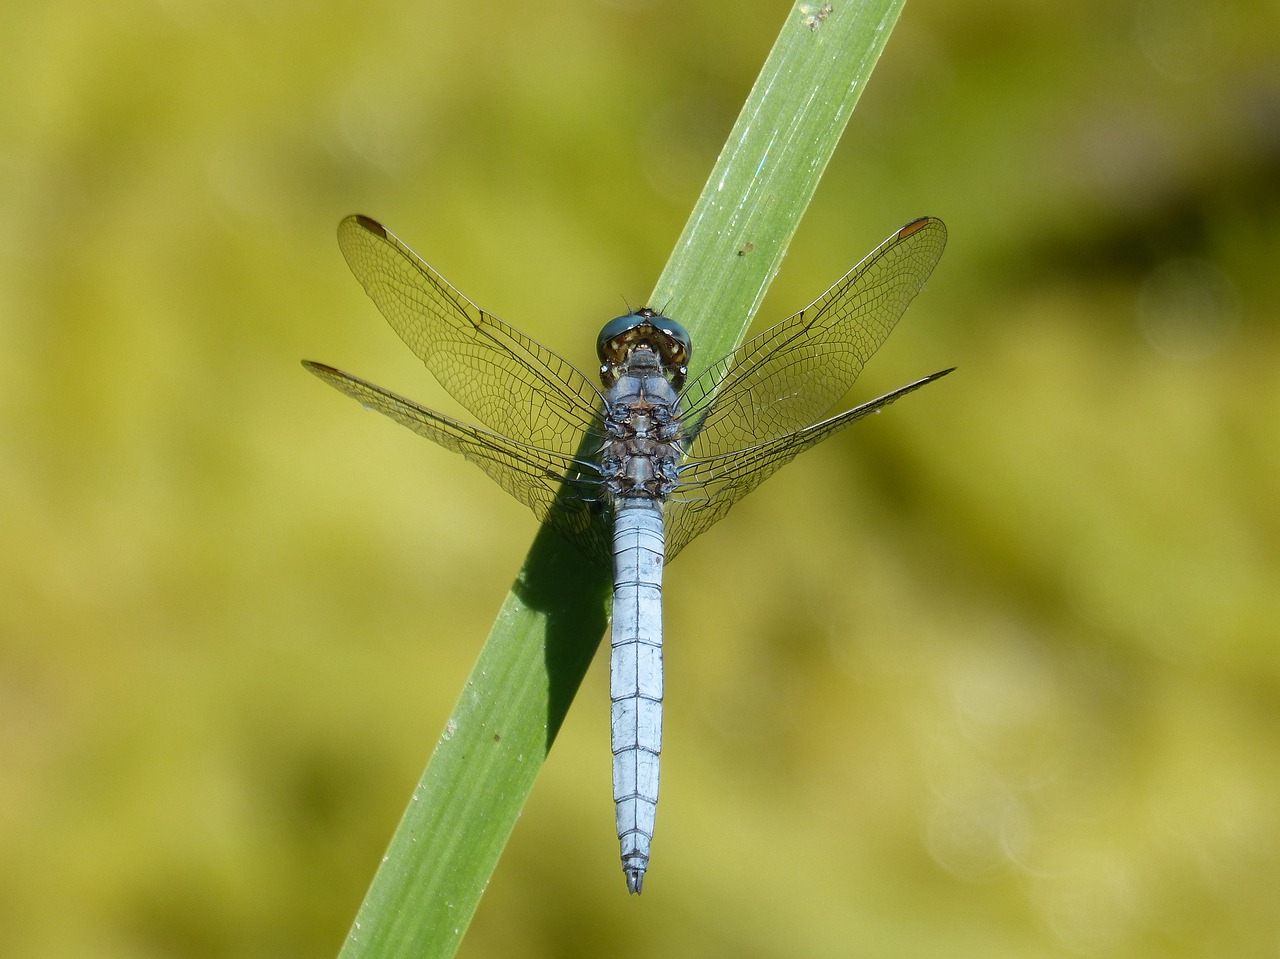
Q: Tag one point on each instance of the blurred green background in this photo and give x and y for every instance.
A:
(993, 674)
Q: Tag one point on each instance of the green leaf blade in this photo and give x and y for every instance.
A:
(483, 768)
(741, 227)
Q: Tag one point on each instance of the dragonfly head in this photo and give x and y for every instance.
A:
(648, 328)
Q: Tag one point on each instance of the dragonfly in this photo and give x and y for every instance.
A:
(632, 470)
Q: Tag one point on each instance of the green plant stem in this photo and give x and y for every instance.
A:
(507, 716)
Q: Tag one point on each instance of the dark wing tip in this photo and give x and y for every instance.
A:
(370, 224)
(320, 369)
(932, 377)
(913, 226)
(918, 224)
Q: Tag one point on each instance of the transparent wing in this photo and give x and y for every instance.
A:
(510, 383)
(790, 375)
(709, 486)
(562, 490)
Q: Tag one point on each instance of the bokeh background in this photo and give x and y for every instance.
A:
(994, 674)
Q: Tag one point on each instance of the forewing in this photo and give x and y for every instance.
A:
(510, 383)
(561, 490)
(709, 486)
(793, 373)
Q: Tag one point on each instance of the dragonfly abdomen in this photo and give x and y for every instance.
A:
(635, 679)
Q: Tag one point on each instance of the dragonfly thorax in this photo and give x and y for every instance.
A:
(624, 335)
(642, 426)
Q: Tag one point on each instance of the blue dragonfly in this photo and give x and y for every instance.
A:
(631, 471)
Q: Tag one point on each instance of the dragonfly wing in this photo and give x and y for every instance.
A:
(793, 373)
(510, 383)
(562, 491)
(710, 485)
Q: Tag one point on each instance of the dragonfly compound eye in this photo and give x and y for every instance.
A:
(664, 335)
